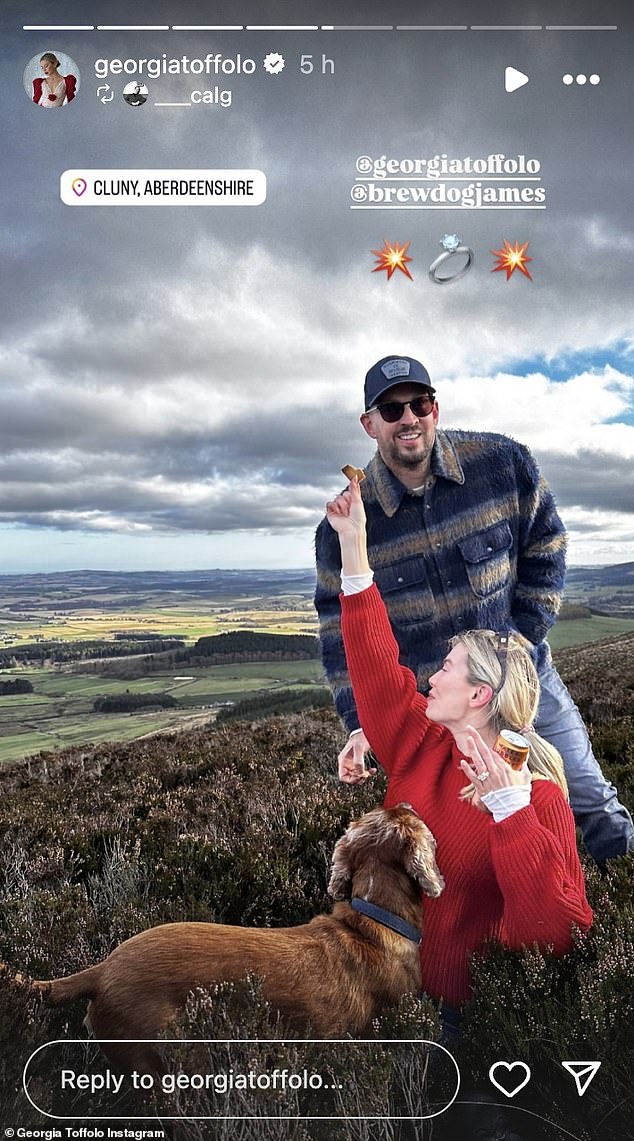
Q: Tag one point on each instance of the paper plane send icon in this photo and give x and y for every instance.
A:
(514, 79)
(583, 1073)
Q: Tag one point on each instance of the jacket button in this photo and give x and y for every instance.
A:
(489, 550)
(399, 579)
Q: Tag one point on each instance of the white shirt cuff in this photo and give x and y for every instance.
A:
(503, 802)
(355, 583)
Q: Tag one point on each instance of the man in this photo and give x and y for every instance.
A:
(463, 533)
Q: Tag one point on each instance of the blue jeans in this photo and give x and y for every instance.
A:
(605, 824)
(450, 1020)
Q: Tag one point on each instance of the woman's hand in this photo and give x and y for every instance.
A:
(346, 513)
(487, 771)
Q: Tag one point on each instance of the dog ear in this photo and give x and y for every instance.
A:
(340, 884)
(420, 860)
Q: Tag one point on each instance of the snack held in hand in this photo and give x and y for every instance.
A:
(351, 472)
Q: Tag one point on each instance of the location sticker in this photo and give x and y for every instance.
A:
(79, 185)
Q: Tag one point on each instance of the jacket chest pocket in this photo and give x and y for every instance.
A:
(487, 559)
(405, 588)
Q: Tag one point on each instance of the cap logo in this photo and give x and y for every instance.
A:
(394, 368)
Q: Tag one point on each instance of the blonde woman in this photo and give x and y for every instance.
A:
(53, 89)
(506, 842)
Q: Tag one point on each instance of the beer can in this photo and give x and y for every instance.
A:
(512, 747)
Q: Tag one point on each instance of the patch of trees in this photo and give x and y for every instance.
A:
(130, 702)
(152, 639)
(276, 702)
(57, 651)
(618, 611)
(18, 685)
(570, 610)
(235, 647)
(250, 646)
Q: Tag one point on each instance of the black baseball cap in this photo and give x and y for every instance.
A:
(394, 370)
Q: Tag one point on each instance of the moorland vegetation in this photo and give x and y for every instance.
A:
(237, 823)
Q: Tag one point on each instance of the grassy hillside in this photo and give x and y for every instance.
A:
(60, 711)
(577, 630)
(237, 825)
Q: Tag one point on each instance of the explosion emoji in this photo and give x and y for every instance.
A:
(512, 258)
(392, 257)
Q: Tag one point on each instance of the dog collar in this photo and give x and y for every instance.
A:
(387, 918)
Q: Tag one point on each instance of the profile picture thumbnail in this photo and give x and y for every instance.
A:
(51, 79)
(135, 94)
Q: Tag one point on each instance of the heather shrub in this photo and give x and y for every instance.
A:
(358, 1078)
(542, 1010)
(237, 824)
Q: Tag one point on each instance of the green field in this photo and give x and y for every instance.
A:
(188, 622)
(576, 630)
(60, 711)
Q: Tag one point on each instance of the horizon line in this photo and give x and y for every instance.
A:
(233, 569)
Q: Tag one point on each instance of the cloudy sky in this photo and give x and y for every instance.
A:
(181, 385)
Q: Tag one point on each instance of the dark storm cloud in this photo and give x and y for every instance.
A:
(594, 480)
(201, 369)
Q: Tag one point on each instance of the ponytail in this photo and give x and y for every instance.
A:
(515, 697)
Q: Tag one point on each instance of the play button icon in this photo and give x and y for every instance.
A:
(514, 79)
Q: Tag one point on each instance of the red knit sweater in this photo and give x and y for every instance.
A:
(519, 881)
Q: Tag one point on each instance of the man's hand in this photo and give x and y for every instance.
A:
(351, 759)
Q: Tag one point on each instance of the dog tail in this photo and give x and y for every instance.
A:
(84, 984)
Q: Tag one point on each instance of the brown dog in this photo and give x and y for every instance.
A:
(332, 975)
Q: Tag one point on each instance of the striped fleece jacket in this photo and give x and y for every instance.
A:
(479, 546)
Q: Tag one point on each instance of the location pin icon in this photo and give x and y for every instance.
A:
(79, 185)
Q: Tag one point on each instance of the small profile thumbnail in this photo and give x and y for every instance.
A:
(135, 94)
(51, 80)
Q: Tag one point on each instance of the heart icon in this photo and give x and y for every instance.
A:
(508, 1083)
(79, 185)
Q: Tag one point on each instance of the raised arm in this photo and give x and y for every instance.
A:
(391, 711)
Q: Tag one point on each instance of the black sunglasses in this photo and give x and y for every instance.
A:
(392, 410)
(501, 651)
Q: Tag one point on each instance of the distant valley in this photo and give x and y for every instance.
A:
(113, 656)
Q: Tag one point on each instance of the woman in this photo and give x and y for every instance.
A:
(54, 90)
(506, 842)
